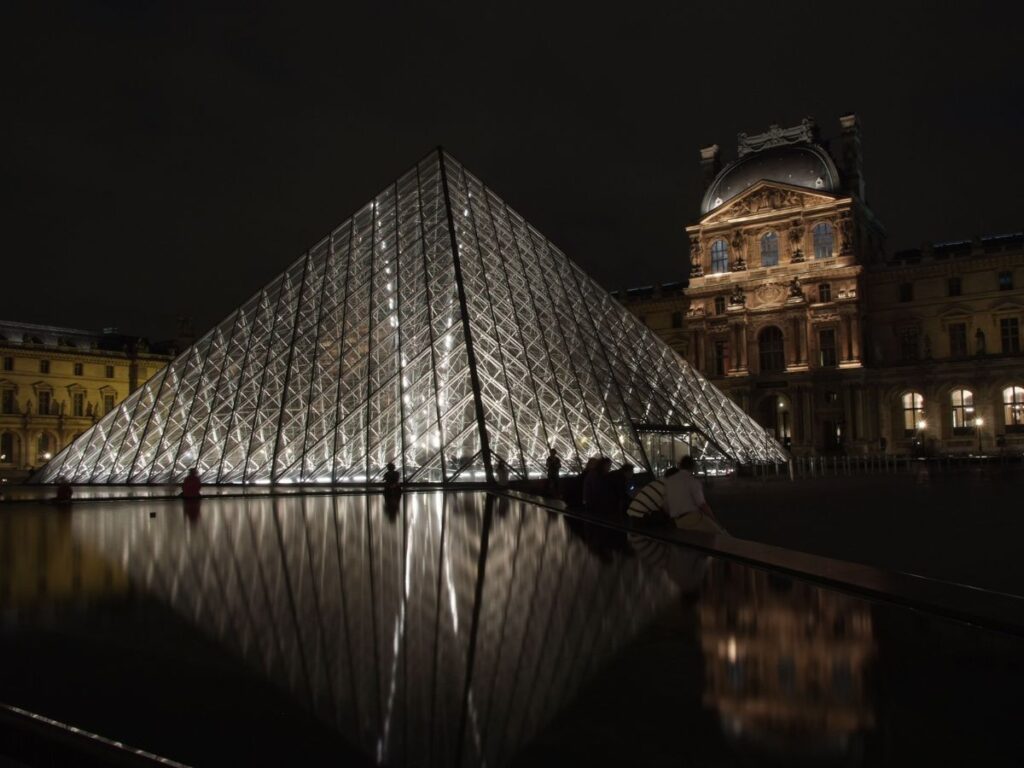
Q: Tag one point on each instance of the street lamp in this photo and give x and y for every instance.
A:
(977, 428)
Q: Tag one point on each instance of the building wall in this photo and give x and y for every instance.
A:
(823, 345)
(55, 383)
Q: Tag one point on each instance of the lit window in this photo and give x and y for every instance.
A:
(78, 404)
(955, 287)
(1013, 409)
(110, 371)
(769, 250)
(44, 366)
(1006, 281)
(771, 347)
(719, 256)
(906, 292)
(78, 369)
(108, 403)
(8, 363)
(958, 340)
(824, 292)
(962, 401)
(823, 240)
(827, 353)
(1009, 333)
(913, 412)
(677, 319)
(719, 305)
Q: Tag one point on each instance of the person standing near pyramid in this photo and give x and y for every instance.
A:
(392, 480)
(554, 467)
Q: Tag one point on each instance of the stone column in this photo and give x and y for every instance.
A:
(855, 336)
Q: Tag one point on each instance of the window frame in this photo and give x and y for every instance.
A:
(720, 306)
(915, 408)
(8, 363)
(771, 359)
(963, 411)
(954, 281)
(78, 404)
(824, 293)
(833, 348)
(40, 395)
(44, 366)
(953, 350)
(719, 257)
(823, 241)
(78, 369)
(1004, 280)
(1009, 335)
(1013, 408)
(771, 238)
(108, 372)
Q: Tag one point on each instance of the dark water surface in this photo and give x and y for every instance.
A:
(465, 629)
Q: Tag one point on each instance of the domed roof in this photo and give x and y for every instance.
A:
(800, 165)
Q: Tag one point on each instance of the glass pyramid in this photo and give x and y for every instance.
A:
(435, 329)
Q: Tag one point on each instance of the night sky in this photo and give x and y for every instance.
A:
(163, 162)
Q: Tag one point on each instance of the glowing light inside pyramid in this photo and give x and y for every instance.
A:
(435, 329)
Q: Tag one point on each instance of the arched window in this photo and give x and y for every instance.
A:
(962, 401)
(1013, 409)
(772, 349)
(822, 234)
(7, 448)
(769, 250)
(913, 412)
(719, 256)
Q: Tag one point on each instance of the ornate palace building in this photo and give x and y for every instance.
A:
(56, 382)
(795, 309)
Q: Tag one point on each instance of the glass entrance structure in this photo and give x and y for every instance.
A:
(435, 329)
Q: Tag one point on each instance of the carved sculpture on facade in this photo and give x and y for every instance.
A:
(777, 136)
(846, 234)
(796, 293)
(771, 293)
(696, 267)
(738, 297)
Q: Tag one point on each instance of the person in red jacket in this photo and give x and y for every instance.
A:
(190, 489)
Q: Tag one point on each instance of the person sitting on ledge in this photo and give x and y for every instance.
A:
(685, 503)
(392, 480)
(191, 487)
(63, 491)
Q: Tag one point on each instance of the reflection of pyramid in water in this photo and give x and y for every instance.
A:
(435, 329)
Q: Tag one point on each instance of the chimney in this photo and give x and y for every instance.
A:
(710, 165)
(852, 160)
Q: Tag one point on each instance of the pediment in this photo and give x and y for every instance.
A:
(766, 197)
(956, 311)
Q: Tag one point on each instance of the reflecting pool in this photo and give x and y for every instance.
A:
(467, 629)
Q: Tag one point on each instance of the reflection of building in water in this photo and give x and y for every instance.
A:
(786, 662)
(440, 634)
(41, 563)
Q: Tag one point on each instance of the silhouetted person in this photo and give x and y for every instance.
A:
(191, 488)
(554, 467)
(501, 473)
(598, 493)
(63, 491)
(622, 485)
(392, 480)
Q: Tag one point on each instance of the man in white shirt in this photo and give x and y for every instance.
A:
(685, 502)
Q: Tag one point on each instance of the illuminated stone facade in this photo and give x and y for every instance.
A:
(55, 383)
(797, 312)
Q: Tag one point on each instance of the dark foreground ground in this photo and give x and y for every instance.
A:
(965, 526)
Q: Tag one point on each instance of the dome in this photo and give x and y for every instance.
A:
(800, 165)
